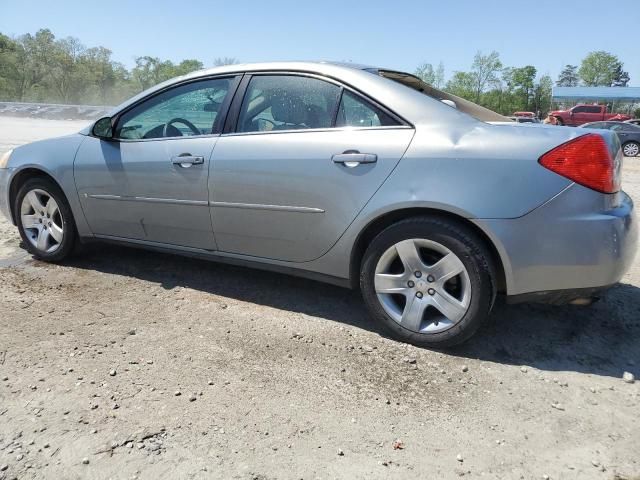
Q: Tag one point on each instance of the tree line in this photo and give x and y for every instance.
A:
(507, 89)
(43, 68)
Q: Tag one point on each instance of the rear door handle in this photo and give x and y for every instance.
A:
(353, 158)
(185, 160)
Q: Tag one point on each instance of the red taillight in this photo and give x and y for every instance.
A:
(585, 160)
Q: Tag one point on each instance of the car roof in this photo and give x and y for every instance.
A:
(318, 66)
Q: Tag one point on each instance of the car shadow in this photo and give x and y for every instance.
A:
(602, 339)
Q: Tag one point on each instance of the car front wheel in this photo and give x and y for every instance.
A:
(44, 220)
(428, 281)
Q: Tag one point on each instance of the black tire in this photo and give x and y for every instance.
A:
(69, 238)
(471, 251)
(559, 121)
(632, 144)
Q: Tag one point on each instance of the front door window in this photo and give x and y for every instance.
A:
(184, 111)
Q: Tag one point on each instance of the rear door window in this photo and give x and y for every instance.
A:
(287, 102)
(622, 127)
(354, 111)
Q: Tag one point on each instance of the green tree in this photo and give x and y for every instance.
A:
(426, 73)
(523, 80)
(484, 71)
(430, 75)
(69, 81)
(542, 95)
(461, 84)
(188, 66)
(598, 69)
(100, 72)
(150, 71)
(221, 61)
(439, 75)
(620, 78)
(124, 86)
(568, 77)
(40, 67)
(9, 74)
(35, 60)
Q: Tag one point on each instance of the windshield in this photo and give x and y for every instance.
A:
(476, 111)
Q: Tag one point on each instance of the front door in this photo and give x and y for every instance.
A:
(150, 182)
(304, 159)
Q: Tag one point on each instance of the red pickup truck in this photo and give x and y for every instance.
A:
(586, 113)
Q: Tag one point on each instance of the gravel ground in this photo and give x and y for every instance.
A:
(127, 364)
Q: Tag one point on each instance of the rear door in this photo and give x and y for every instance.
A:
(302, 157)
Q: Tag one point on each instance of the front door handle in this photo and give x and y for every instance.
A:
(185, 160)
(353, 158)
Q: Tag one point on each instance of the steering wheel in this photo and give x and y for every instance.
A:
(273, 124)
(183, 121)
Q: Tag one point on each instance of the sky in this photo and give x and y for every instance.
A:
(397, 34)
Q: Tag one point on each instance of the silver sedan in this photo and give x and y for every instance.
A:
(363, 177)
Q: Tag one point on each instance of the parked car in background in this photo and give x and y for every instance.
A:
(524, 114)
(521, 119)
(628, 133)
(581, 114)
(358, 176)
(634, 121)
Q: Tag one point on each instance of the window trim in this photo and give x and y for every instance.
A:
(217, 124)
(233, 115)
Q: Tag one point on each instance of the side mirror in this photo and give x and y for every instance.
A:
(102, 128)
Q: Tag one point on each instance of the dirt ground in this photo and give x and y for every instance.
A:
(127, 364)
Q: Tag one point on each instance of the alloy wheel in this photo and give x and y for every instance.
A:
(42, 220)
(422, 285)
(631, 149)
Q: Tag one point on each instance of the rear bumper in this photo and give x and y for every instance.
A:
(580, 239)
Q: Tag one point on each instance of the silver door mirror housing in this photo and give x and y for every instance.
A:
(102, 128)
(451, 103)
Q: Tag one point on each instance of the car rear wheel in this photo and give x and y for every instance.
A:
(44, 220)
(631, 149)
(428, 281)
(559, 121)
